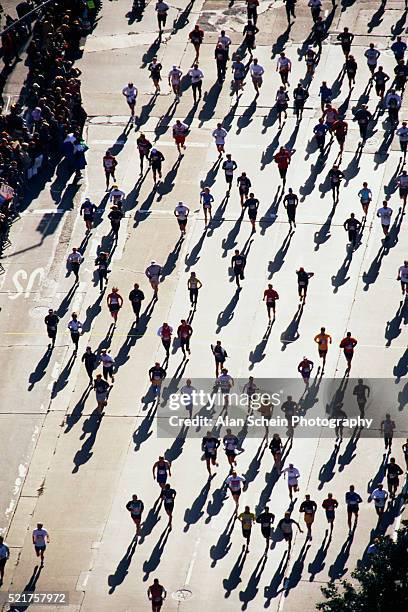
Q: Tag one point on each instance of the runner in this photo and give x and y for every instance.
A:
(143, 146)
(300, 95)
(339, 129)
(4, 557)
(196, 37)
(330, 115)
(380, 78)
(115, 217)
(315, 8)
(244, 185)
(165, 332)
(116, 196)
(181, 213)
(393, 105)
(174, 78)
(265, 519)
(233, 483)
(252, 10)
(252, 205)
(402, 134)
(102, 264)
(398, 48)
(75, 328)
(167, 496)
(402, 183)
(330, 504)
(153, 274)
(209, 446)
(379, 497)
(161, 470)
(247, 519)
(219, 135)
(180, 131)
(109, 165)
(320, 130)
(311, 59)
(335, 176)
(348, 345)
(220, 355)
(387, 429)
(238, 263)
(293, 476)
(108, 365)
(289, 408)
(282, 99)
(351, 70)
(206, 199)
(88, 211)
(229, 166)
(156, 376)
(353, 500)
(346, 39)
(155, 69)
(156, 159)
(276, 448)
(323, 340)
(308, 507)
(270, 296)
(196, 75)
(290, 11)
(130, 92)
(305, 368)
(303, 283)
(239, 73)
(290, 202)
(184, 333)
(156, 592)
(194, 285)
(284, 66)
(402, 277)
(115, 303)
(283, 159)
(285, 525)
(250, 31)
(101, 387)
(135, 507)
(136, 297)
(221, 59)
(393, 473)
(40, 541)
(74, 261)
(51, 321)
(352, 227)
(256, 71)
(231, 443)
(384, 213)
(365, 196)
(362, 393)
(405, 451)
(187, 393)
(90, 361)
(325, 95)
(250, 389)
(161, 9)
(363, 117)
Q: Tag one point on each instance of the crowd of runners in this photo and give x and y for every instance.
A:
(330, 128)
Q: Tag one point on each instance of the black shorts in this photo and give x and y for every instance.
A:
(228, 178)
(246, 532)
(322, 353)
(352, 509)
(236, 493)
(252, 216)
(38, 549)
(3, 563)
(230, 453)
(403, 191)
(209, 456)
(114, 307)
(266, 532)
(182, 223)
(403, 145)
(169, 506)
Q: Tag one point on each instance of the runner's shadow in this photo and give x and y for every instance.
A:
(230, 242)
(337, 570)
(92, 312)
(279, 259)
(62, 379)
(218, 217)
(176, 448)
(341, 277)
(327, 473)
(225, 316)
(379, 476)
(221, 549)
(64, 306)
(192, 515)
(280, 43)
(258, 354)
(183, 17)
(234, 579)
(171, 260)
(150, 53)
(40, 369)
(143, 432)
(317, 565)
(29, 588)
(91, 425)
(350, 451)
(295, 575)
(255, 465)
(291, 333)
(323, 235)
(211, 176)
(401, 368)
(252, 587)
(153, 562)
(272, 213)
(246, 118)
(76, 413)
(167, 185)
(122, 570)
(398, 26)
(210, 102)
(269, 153)
(376, 18)
(273, 589)
(145, 112)
(371, 276)
(214, 507)
(269, 119)
(193, 257)
(150, 521)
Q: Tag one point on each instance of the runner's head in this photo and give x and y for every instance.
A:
(247, 509)
(352, 488)
(188, 382)
(130, 84)
(330, 495)
(39, 525)
(323, 330)
(134, 497)
(307, 496)
(136, 286)
(392, 460)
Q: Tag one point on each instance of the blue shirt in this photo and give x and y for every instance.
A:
(321, 129)
(325, 93)
(353, 498)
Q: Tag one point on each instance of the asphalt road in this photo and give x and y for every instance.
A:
(58, 465)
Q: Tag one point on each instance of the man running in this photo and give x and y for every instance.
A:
(109, 165)
(167, 496)
(402, 183)
(153, 274)
(219, 135)
(161, 9)
(293, 476)
(393, 472)
(224, 383)
(247, 519)
(102, 263)
(196, 75)
(194, 285)
(229, 166)
(284, 67)
(88, 210)
(353, 500)
(143, 146)
(346, 38)
(136, 297)
(40, 540)
(348, 345)
(323, 340)
(335, 176)
(181, 213)
(379, 497)
(135, 507)
(252, 205)
(234, 482)
(352, 227)
(179, 134)
(174, 78)
(74, 261)
(402, 277)
(308, 507)
(51, 321)
(206, 199)
(320, 130)
(303, 283)
(161, 470)
(90, 361)
(156, 159)
(387, 428)
(238, 263)
(108, 365)
(156, 376)
(290, 202)
(270, 296)
(209, 446)
(244, 185)
(231, 443)
(286, 527)
(75, 327)
(384, 213)
(305, 368)
(220, 355)
(365, 196)
(184, 333)
(115, 217)
(196, 37)
(156, 592)
(256, 71)
(330, 504)
(130, 92)
(282, 160)
(265, 519)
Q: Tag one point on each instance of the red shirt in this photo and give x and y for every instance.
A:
(184, 331)
(283, 158)
(340, 128)
(271, 295)
(348, 344)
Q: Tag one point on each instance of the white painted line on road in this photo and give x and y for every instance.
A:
(193, 560)
(42, 211)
